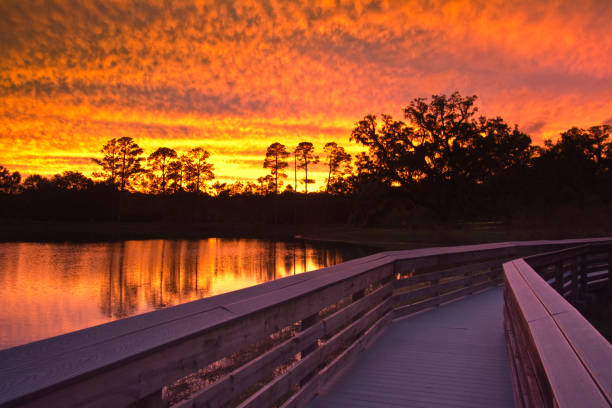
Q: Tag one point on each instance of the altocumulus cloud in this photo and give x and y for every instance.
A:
(235, 76)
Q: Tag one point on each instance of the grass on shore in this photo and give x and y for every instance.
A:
(388, 238)
(380, 237)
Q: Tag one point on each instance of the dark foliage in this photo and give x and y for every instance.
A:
(443, 165)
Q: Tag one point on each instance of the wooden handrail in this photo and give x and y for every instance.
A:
(130, 361)
(558, 358)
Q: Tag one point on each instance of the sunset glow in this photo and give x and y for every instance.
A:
(234, 77)
(110, 281)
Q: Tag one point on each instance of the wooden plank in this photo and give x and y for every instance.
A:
(436, 301)
(517, 367)
(528, 390)
(550, 298)
(334, 321)
(554, 257)
(591, 347)
(117, 385)
(529, 306)
(446, 257)
(597, 275)
(67, 343)
(241, 332)
(224, 390)
(405, 297)
(553, 338)
(459, 270)
(309, 390)
(453, 356)
(571, 384)
(599, 284)
(155, 354)
(279, 386)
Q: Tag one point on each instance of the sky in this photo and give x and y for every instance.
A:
(236, 76)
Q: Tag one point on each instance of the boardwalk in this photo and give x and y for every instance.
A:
(452, 356)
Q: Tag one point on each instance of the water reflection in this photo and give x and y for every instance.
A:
(50, 289)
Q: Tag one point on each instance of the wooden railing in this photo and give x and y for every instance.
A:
(558, 358)
(273, 344)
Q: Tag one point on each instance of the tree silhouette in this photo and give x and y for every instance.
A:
(71, 181)
(121, 161)
(197, 169)
(34, 182)
(159, 161)
(305, 156)
(337, 161)
(579, 160)
(265, 185)
(9, 182)
(176, 172)
(109, 161)
(274, 161)
(221, 189)
(442, 153)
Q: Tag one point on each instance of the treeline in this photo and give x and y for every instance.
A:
(442, 164)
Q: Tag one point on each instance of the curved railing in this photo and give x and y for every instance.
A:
(558, 358)
(273, 344)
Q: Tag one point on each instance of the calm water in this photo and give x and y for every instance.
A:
(48, 289)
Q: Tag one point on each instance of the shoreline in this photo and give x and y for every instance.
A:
(56, 231)
(377, 237)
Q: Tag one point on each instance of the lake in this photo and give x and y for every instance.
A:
(47, 289)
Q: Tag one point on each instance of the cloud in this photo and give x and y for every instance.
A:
(237, 76)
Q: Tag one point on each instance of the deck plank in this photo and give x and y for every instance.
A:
(454, 355)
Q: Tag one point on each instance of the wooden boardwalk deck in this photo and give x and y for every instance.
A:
(452, 356)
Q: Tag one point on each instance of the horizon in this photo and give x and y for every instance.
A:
(236, 78)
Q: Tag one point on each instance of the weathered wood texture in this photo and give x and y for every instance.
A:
(574, 271)
(558, 358)
(131, 360)
(452, 356)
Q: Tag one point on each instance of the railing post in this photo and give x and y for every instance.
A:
(356, 296)
(610, 271)
(582, 276)
(575, 273)
(306, 323)
(559, 277)
(435, 282)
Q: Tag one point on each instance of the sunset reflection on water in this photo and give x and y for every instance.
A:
(48, 289)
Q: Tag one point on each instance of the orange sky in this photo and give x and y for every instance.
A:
(235, 76)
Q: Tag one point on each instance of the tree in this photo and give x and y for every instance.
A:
(34, 182)
(305, 156)
(71, 181)
(197, 169)
(266, 185)
(109, 161)
(579, 160)
(121, 161)
(159, 161)
(338, 162)
(274, 161)
(9, 182)
(176, 172)
(443, 153)
(221, 189)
